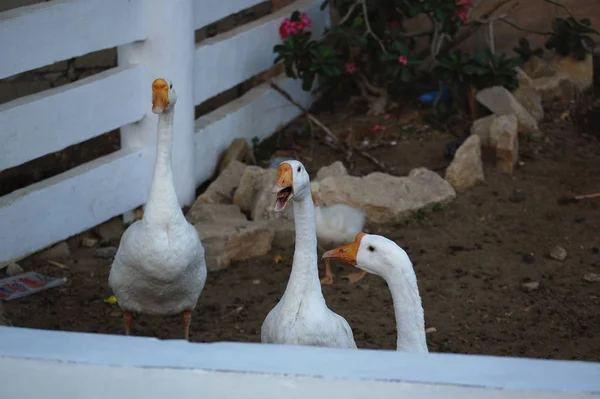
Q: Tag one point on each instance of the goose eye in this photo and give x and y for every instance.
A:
(299, 169)
(371, 248)
(171, 86)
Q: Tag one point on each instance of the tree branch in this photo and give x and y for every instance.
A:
(368, 26)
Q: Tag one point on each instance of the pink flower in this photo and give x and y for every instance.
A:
(284, 28)
(465, 3)
(305, 21)
(463, 15)
(350, 68)
(462, 11)
(402, 60)
(377, 128)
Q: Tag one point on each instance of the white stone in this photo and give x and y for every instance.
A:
(501, 102)
(221, 190)
(220, 213)
(466, 169)
(481, 128)
(335, 169)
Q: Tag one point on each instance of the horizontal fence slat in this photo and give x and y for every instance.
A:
(49, 121)
(64, 205)
(258, 113)
(237, 55)
(209, 11)
(41, 34)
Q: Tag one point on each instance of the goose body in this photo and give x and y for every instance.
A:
(159, 267)
(383, 257)
(302, 317)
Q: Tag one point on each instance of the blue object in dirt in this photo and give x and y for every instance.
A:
(277, 160)
(429, 97)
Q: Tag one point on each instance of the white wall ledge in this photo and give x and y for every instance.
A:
(76, 357)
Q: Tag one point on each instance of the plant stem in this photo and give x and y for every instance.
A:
(368, 26)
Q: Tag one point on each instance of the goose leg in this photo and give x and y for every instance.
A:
(127, 321)
(186, 320)
(355, 277)
(328, 279)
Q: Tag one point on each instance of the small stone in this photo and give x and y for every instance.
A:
(481, 128)
(592, 277)
(58, 252)
(466, 169)
(501, 124)
(209, 213)
(13, 269)
(555, 87)
(559, 253)
(507, 150)
(537, 67)
(106, 253)
(580, 72)
(430, 330)
(501, 102)
(530, 286)
(335, 169)
(531, 100)
(234, 241)
(110, 232)
(222, 189)
(89, 242)
(238, 150)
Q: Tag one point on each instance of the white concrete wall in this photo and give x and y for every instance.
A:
(149, 46)
(58, 365)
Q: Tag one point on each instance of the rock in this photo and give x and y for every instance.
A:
(106, 253)
(238, 150)
(58, 252)
(264, 199)
(557, 86)
(502, 124)
(209, 213)
(466, 169)
(234, 241)
(558, 253)
(537, 67)
(221, 190)
(430, 330)
(592, 277)
(387, 199)
(335, 169)
(501, 102)
(530, 286)
(110, 232)
(523, 78)
(89, 242)
(13, 269)
(481, 128)
(507, 149)
(244, 194)
(581, 73)
(284, 233)
(531, 100)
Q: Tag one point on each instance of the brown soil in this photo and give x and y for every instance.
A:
(471, 258)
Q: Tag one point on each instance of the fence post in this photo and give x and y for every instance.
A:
(168, 52)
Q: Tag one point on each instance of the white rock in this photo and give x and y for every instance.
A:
(209, 213)
(13, 269)
(500, 125)
(244, 194)
(559, 253)
(221, 190)
(234, 241)
(507, 149)
(466, 169)
(555, 87)
(536, 67)
(58, 252)
(481, 128)
(530, 286)
(592, 277)
(387, 199)
(335, 169)
(501, 102)
(581, 72)
(531, 100)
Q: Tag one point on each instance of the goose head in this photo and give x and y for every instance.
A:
(372, 253)
(163, 95)
(292, 182)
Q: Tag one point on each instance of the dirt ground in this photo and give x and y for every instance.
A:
(471, 256)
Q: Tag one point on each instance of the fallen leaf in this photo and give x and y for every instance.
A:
(278, 258)
(430, 330)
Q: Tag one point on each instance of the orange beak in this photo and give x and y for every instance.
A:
(347, 253)
(284, 178)
(160, 95)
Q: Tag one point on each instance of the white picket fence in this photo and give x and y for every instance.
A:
(154, 39)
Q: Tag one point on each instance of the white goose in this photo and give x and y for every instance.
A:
(160, 268)
(302, 317)
(383, 257)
